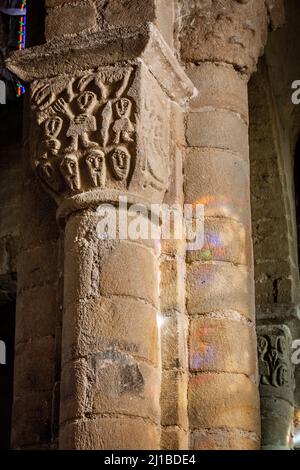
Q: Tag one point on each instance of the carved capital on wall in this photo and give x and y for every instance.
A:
(229, 31)
(274, 344)
(103, 131)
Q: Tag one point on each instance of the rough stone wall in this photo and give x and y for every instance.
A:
(37, 317)
(274, 262)
(10, 175)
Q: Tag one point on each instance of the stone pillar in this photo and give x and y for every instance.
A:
(100, 130)
(221, 47)
(276, 386)
(110, 352)
(37, 311)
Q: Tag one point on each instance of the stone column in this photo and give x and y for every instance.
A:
(221, 47)
(100, 130)
(37, 314)
(276, 386)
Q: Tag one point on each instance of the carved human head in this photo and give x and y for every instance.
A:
(124, 107)
(87, 101)
(95, 159)
(121, 163)
(53, 126)
(69, 165)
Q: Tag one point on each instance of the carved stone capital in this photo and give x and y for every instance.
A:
(230, 31)
(100, 131)
(274, 345)
(276, 386)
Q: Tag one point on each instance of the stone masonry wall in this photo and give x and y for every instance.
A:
(37, 319)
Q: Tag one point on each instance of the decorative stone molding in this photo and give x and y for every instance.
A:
(111, 47)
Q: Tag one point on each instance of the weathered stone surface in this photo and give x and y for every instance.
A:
(37, 266)
(220, 87)
(56, 3)
(110, 269)
(34, 366)
(124, 273)
(70, 19)
(214, 287)
(96, 50)
(122, 13)
(37, 216)
(173, 438)
(223, 400)
(224, 240)
(220, 182)
(276, 424)
(172, 273)
(174, 399)
(221, 345)
(173, 330)
(125, 323)
(110, 433)
(233, 32)
(32, 413)
(224, 440)
(38, 321)
(109, 383)
(219, 129)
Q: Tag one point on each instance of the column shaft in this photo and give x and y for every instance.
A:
(110, 352)
(223, 395)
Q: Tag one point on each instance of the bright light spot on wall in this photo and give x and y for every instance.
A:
(160, 321)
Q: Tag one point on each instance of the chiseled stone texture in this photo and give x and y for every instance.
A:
(110, 433)
(37, 313)
(65, 17)
(216, 286)
(70, 18)
(222, 345)
(227, 400)
(219, 129)
(110, 349)
(10, 174)
(224, 240)
(220, 87)
(220, 181)
(273, 234)
(102, 324)
(221, 439)
(228, 31)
